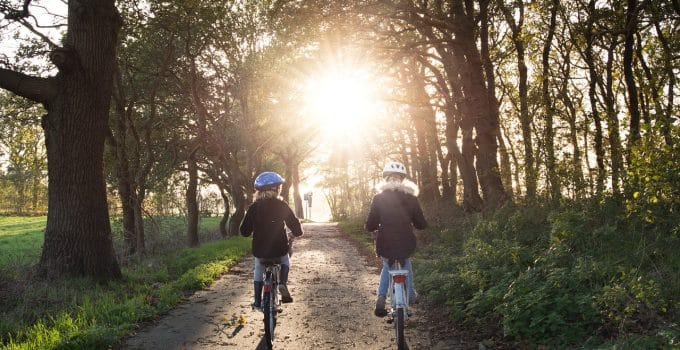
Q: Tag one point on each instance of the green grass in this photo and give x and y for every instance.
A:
(78, 313)
(81, 314)
(21, 239)
(355, 229)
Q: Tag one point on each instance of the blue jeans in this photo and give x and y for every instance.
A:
(385, 278)
(259, 268)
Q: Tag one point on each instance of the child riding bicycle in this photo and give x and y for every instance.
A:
(267, 219)
(394, 212)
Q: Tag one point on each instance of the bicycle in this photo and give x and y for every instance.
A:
(398, 293)
(270, 298)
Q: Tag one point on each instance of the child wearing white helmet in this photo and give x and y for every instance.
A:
(394, 212)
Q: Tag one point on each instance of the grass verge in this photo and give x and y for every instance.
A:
(81, 314)
(21, 239)
(355, 229)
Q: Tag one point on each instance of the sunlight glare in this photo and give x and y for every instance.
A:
(342, 101)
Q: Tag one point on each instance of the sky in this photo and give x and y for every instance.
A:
(44, 14)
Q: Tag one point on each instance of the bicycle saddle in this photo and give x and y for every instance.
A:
(270, 261)
(391, 262)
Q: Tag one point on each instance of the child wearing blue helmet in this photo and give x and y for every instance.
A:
(267, 219)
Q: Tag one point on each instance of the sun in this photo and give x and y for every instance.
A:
(342, 100)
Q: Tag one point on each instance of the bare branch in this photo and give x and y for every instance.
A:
(28, 26)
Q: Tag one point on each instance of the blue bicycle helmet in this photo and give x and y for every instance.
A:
(268, 179)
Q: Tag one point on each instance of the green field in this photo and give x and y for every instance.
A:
(21, 239)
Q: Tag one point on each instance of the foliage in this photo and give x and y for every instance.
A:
(557, 277)
(80, 314)
(23, 162)
(655, 183)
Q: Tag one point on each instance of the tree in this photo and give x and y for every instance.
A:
(516, 27)
(22, 146)
(77, 99)
(548, 107)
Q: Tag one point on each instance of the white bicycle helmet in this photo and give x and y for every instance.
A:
(394, 168)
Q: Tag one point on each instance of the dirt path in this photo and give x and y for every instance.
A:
(334, 291)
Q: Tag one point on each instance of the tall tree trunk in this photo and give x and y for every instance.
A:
(297, 198)
(506, 169)
(613, 121)
(225, 215)
(629, 77)
(138, 201)
(482, 117)
(525, 118)
(126, 190)
(572, 117)
(77, 238)
(127, 203)
(239, 198)
(486, 125)
(553, 179)
(451, 139)
(36, 176)
(506, 173)
(667, 115)
(461, 118)
(421, 115)
(192, 203)
(592, 95)
(652, 88)
(285, 188)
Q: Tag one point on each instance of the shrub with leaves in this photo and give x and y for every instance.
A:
(655, 182)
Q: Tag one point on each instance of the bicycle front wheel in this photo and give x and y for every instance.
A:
(399, 328)
(269, 310)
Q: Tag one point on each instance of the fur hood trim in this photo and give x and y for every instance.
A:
(405, 186)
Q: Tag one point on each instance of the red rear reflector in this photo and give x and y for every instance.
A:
(267, 288)
(399, 278)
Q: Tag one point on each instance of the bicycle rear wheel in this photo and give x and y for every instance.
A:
(399, 328)
(269, 310)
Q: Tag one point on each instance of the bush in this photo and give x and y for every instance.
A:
(552, 303)
(578, 275)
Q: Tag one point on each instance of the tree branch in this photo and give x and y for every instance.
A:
(33, 88)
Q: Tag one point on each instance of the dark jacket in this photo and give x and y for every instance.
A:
(395, 211)
(265, 219)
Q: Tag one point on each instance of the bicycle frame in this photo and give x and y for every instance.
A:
(398, 291)
(270, 299)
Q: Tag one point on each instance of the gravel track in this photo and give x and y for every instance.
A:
(333, 286)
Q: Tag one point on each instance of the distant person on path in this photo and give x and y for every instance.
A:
(267, 219)
(394, 212)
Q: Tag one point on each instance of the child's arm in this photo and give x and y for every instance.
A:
(248, 223)
(293, 223)
(373, 219)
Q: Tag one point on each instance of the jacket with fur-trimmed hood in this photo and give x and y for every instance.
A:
(394, 212)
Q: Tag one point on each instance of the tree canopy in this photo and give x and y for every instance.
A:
(486, 102)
